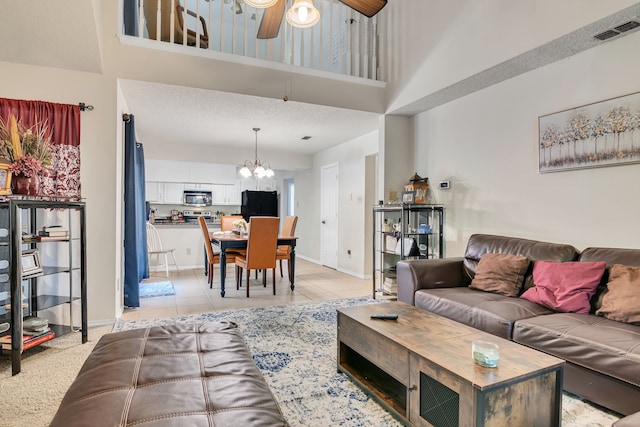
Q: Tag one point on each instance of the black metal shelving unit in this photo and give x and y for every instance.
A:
(57, 288)
(418, 233)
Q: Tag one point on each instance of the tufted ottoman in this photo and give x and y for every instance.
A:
(178, 375)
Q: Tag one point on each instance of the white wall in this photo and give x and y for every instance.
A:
(98, 167)
(441, 42)
(350, 157)
(487, 145)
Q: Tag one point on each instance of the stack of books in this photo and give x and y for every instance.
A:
(53, 232)
(35, 331)
(390, 285)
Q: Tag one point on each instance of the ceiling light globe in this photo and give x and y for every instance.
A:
(259, 171)
(269, 173)
(245, 172)
(260, 4)
(303, 9)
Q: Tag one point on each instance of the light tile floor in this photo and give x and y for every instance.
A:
(312, 283)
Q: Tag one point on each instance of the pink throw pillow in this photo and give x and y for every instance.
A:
(565, 286)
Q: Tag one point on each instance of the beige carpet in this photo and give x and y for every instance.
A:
(32, 397)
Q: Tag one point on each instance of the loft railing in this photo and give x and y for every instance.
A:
(344, 41)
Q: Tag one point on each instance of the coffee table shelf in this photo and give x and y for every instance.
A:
(391, 391)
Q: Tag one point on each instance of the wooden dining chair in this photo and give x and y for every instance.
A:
(213, 258)
(261, 250)
(284, 251)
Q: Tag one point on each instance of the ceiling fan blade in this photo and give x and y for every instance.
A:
(270, 23)
(366, 7)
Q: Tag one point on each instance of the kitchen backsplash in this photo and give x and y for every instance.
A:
(216, 210)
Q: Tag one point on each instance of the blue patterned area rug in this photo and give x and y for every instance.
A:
(156, 289)
(295, 348)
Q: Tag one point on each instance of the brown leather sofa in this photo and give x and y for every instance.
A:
(179, 375)
(602, 356)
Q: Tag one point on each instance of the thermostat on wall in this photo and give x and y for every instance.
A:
(445, 185)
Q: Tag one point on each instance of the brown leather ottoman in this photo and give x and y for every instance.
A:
(195, 375)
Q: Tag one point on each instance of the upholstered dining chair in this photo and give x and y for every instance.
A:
(284, 251)
(154, 247)
(226, 224)
(261, 250)
(213, 258)
(151, 18)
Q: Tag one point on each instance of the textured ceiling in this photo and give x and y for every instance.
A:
(166, 114)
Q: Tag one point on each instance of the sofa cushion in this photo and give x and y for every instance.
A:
(565, 286)
(621, 301)
(587, 340)
(480, 244)
(487, 311)
(500, 273)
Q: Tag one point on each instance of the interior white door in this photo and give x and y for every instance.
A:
(329, 216)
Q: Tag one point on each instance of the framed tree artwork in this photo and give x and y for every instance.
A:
(604, 133)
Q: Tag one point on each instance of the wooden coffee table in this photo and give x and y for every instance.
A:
(420, 368)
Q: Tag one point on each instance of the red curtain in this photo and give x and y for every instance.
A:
(63, 126)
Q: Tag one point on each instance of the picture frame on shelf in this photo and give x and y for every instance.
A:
(408, 197)
(5, 179)
(30, 263)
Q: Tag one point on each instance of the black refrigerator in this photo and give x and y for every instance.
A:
(259, 203)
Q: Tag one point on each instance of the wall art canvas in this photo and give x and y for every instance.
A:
(605, 133)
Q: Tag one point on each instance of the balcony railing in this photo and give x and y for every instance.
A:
(344, 41)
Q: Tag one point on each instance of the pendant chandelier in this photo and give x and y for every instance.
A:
(256, 168)
(303, 14)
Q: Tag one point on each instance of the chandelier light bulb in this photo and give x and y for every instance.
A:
(303, 13)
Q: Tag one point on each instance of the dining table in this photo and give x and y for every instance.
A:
(239, 241)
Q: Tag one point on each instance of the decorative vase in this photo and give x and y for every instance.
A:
(25, 185)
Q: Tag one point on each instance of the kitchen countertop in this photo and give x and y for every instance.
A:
(172, 224)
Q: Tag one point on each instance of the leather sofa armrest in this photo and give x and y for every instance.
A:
(428, 274)
(628, 421)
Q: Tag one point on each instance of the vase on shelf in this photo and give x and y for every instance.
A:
(25, 185)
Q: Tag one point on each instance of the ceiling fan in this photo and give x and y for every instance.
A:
(272, 18)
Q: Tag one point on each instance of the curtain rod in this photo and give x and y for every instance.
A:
(84, 107)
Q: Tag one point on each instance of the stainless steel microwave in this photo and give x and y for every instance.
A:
(197, 198)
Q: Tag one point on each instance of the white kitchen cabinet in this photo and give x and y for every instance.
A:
(198, 187)
(234, 195)
(219, 196)
(226, 194)
(154, 191)
(214, 173)
(173, 193)
(166, 171)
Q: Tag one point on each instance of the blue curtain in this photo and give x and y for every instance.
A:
(136, 262)
(131, 17)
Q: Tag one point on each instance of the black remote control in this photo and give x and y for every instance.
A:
(385, 316)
